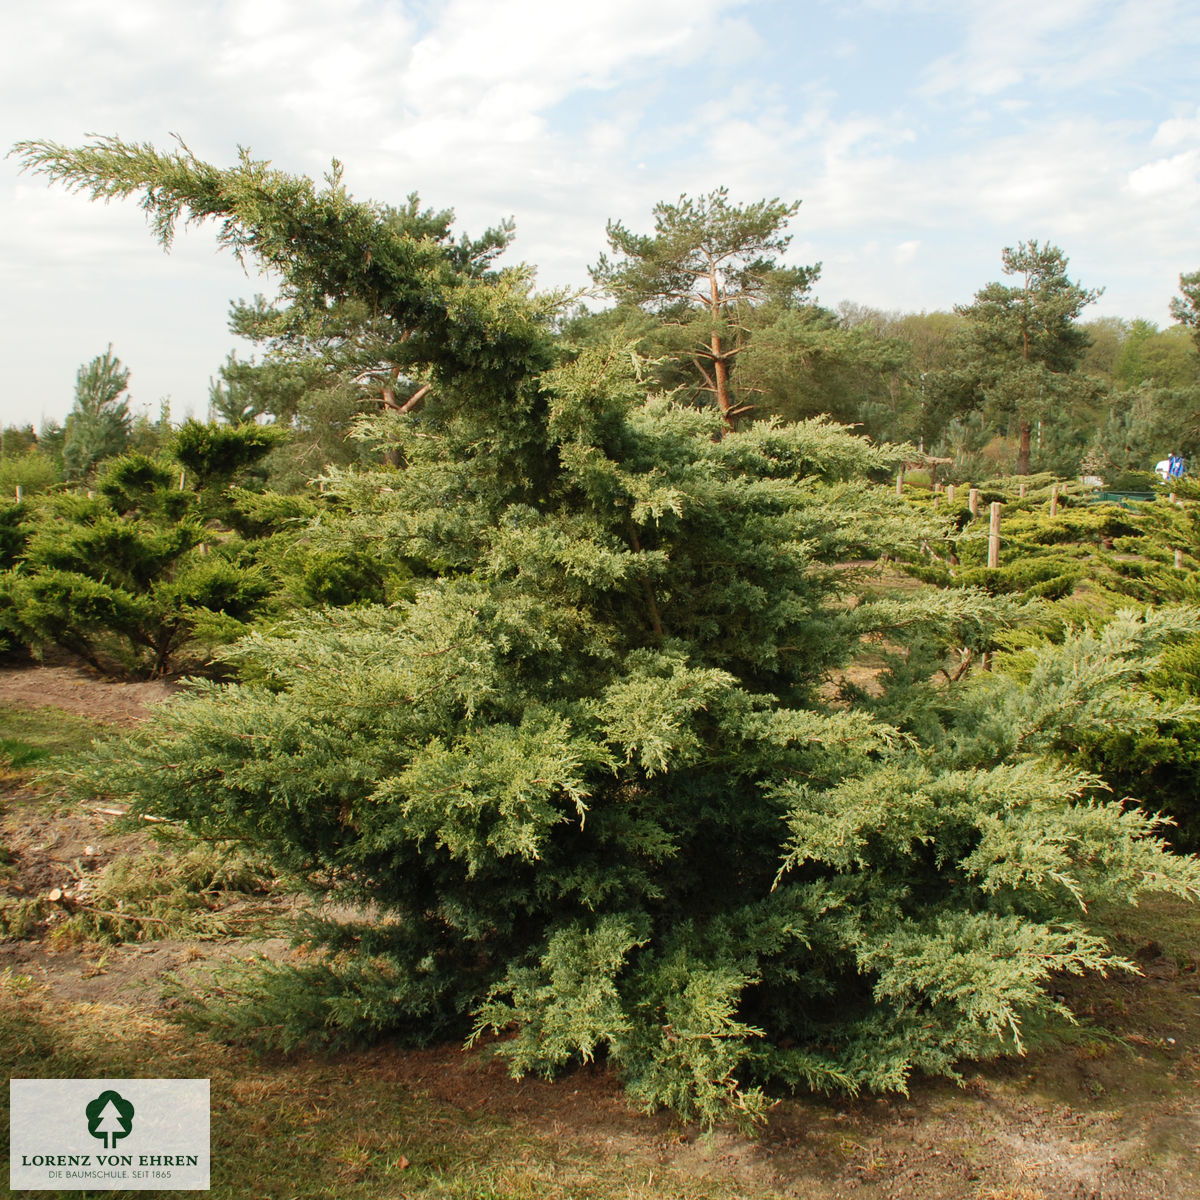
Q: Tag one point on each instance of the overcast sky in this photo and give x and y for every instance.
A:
(921, 136)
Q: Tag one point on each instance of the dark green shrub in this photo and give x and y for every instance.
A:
(339, 579)
(1159, 768)
(216, 455)
(1132, 481)
(12, 533)
(1050, 578)
(124, 576)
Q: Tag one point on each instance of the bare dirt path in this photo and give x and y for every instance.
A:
(82, 692)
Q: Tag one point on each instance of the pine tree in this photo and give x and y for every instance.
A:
(1185, 307)
(707, 267)
(1024, 343)
(99, 425)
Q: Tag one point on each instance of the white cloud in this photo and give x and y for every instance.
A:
(1055, 45)
(1178, 131)
(543, 49)
(1164, 175)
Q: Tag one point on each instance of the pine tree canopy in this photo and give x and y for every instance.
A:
(1022, 342)
(99, 424)
(1185, 307)
(586, 791)
(708, 267)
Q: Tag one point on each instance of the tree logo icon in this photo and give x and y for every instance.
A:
(109, 1116)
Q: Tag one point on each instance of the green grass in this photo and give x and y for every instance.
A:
(33, 737)
(356, 1127)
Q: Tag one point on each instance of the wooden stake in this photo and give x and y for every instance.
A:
(994, 535)
(900, 482)
(1021, 489)
(1179, 560)
(1054, 499)
(181, 475)
(949, 493)
(18, 493)
(973, 501)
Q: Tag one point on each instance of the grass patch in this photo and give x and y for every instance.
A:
(358, 1127)
(31, 739)
(176, 887)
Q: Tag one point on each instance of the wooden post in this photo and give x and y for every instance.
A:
(949, 493)
(18, 493)
(1054, 499)
(994, 535)
(900, 482)
(181, 475)
(1021, 489)
(937, 487)
(1171, 498)
(973, 501)
(1179, 560)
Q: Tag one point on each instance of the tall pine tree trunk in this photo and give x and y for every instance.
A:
(720, 366)
(721, 379)
(1023, 453)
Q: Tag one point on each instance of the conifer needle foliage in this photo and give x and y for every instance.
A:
(123, 574)
(579, 793)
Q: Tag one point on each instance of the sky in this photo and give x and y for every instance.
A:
(920, 137)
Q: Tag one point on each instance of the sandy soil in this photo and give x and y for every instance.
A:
(83, 692)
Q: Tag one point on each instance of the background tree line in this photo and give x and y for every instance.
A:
(1014, 382)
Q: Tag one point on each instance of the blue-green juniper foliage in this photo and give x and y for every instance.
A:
(587, 788)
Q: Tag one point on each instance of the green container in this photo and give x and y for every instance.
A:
(1124, 499)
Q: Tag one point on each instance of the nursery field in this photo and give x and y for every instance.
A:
(88, 980)
(590, 786)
